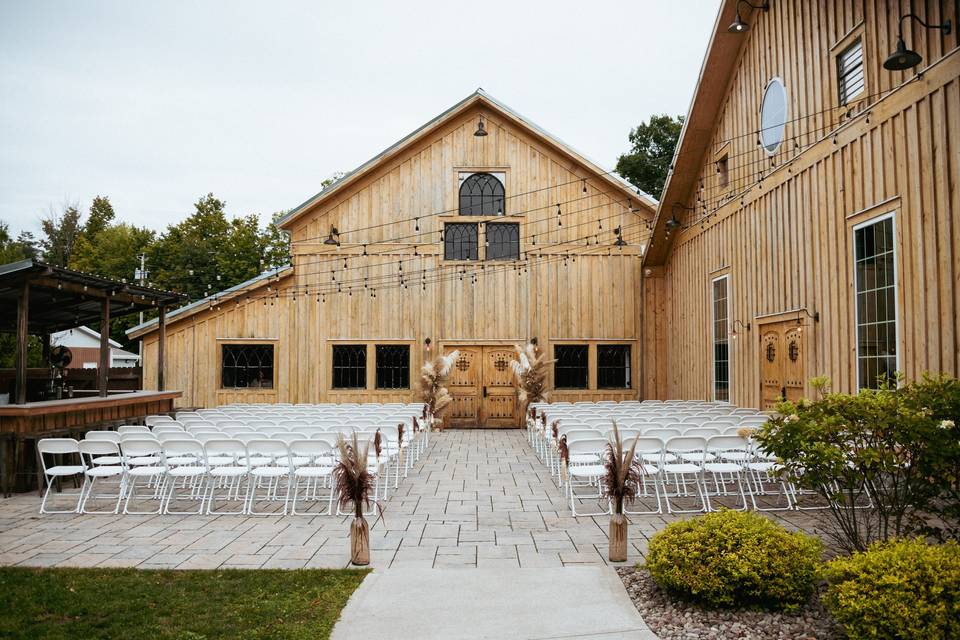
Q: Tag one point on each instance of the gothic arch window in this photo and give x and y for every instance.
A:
(460, 241)
(482, 194)
(247, 365)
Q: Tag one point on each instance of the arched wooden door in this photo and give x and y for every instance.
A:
(482, 387)
(782, 357)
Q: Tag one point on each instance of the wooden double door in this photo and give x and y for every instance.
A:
(782, 355)
(482, 387)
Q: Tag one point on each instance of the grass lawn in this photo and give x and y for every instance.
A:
(132, 604)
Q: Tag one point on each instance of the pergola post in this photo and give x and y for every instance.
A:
(161, 347)
(23, 317)
(104, 371)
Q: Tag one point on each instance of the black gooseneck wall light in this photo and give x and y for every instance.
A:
(739, 26)
(902, 58)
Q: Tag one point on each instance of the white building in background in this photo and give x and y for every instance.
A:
(84, 345)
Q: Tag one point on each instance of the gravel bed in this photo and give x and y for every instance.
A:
(673, 619)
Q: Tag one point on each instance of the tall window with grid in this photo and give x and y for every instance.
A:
(393, 366)
(876, 305)
(459, 241)
(570, 368)
(721, 339)
(349, 366)
(613, 366)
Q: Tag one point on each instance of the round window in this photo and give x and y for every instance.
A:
(773, 115)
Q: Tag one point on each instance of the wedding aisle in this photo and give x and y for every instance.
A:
(571, 603)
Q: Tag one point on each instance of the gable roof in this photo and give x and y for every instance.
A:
(62, 337)
(719, 64)
(478, 97)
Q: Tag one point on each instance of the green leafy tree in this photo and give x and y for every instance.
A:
(60, 233)
(651, 151)
(276, 243)
(13, 251)
(101, 215)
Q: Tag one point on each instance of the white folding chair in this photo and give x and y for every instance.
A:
(186, 464)
(276, 464)
(687, 451)
(144, 459)
(317, 474)
(729, 454)
(587, 473)
(59, 447)
(102, 460)
(229, 467)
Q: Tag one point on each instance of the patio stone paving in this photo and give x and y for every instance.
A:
(477, 498)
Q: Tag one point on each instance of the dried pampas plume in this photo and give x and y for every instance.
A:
(530, 370)
(433, 377)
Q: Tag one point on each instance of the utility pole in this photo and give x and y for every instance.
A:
(141, 276)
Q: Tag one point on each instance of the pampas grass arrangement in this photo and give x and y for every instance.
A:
(436, 398)
(620, 483)
(530, 369)
(354, 483)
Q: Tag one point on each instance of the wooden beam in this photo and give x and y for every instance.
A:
(161, 344)
(104, 371)
(23, 316)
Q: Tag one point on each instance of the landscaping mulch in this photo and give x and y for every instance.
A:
(675, 619)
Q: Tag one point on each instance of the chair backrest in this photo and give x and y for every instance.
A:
(172, 428)
(186, 451)
(686, 444)
(663, 434)
(58, 445)
(135, 429)
(575, 435)
(91, 448)
(626, 435)
(109, 436)
(723, 443)
(170, 437)
(140, 447)
(312, 448)
(271, 449)
(647, 446)
(702, 431)
(289, 436)
(588, 446)
(225, 447)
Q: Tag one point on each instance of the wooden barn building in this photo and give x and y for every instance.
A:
(810, 225)
(476, 232)
(811, 222)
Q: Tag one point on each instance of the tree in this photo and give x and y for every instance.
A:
(276, 243)
(60, 231)
(101, 215)
(651, 152)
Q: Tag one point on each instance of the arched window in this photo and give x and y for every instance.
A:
(481, 194)
(247, 365)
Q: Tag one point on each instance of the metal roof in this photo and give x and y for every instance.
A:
(61, 298)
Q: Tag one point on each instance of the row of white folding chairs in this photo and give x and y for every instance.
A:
(682, 467)
(411, 445)
(585, 433)
(199, 467)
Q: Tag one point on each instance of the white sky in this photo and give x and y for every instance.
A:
(155, 104)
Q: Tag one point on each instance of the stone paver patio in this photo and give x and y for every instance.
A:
(476, 499)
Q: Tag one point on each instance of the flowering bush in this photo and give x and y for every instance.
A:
(896, 449)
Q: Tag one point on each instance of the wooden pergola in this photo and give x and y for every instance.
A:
(39, 299)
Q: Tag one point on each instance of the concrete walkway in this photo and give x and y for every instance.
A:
(572, 602)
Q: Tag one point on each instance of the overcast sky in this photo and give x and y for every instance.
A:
(155, 104)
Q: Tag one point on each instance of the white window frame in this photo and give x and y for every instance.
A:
(713, 342)
(786, 114)
(896, 290)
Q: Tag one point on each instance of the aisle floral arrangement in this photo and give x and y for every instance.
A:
(435, 395)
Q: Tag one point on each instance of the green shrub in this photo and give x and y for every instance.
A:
(896, 448)
(902, 589)
(729, 558)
